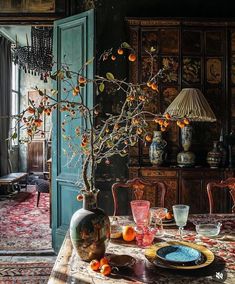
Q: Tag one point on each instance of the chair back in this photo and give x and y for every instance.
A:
(137, 188)
(228, 184)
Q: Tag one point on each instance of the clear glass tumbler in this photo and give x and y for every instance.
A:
(157, 215)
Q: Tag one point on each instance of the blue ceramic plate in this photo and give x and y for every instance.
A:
(178, 253)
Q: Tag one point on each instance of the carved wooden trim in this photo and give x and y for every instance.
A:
(147, 22)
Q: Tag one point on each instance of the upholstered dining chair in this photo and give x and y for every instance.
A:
(229, 183)
(137, 188)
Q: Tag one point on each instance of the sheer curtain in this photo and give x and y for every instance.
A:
(5, 99)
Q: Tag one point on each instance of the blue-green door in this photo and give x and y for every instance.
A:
(73, 45)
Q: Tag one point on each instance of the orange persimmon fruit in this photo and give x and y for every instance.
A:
(128, 233)
(103, 261)
(105, 269)
(168, 215)
(95, 264)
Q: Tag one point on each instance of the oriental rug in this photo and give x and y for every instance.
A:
(23, 225)
(25, 273)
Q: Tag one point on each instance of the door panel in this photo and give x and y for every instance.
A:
(73, 45)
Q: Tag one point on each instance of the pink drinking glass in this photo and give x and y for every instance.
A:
(140, 212)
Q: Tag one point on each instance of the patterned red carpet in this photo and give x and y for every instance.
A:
(25, 273)
(23, 226)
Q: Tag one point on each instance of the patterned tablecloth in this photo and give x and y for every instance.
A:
(70, 269)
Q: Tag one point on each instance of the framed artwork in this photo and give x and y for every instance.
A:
(172, 64)
(214, 98)
(27, 6)
(168, 95)
(233, 41)
(191, 41)
(24, 11)
(169, 41)
(191, 70)
(147, 68)
(214, 42)
(214, 70)
(149, 40)
(154, 100)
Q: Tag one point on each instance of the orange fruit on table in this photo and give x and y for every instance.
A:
(169, 215)
(105, 269)
(95, 264)
(132, 57)
(128, 233)
(103, 261)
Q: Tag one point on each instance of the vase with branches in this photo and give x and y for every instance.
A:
(100, 138)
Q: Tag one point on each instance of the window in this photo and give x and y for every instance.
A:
(15, 94)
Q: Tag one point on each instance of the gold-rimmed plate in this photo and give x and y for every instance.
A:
(150, 254)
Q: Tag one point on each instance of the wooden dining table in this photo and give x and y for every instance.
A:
(70, 269)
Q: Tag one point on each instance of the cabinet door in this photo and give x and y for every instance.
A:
(36, 156)
(191, 191)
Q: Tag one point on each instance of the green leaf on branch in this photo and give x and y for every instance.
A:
(41, 93)
(89, 61)
(101, 87)
(109, 76)
(125, 45)
(54, 92)
(14, 135)
(68, 74)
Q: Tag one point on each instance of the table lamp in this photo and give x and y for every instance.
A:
(190, 103)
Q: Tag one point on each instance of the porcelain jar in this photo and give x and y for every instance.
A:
(90, 229)
(157, 153)
(214, 156)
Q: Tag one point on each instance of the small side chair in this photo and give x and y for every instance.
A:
(229, 184)
(139, 189)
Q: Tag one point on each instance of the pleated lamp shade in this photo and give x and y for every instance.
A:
(191, 103)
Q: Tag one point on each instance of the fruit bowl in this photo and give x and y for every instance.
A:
(209, 229)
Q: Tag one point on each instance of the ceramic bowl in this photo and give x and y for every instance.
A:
(208, 230)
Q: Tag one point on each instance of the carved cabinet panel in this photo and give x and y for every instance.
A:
(187, 186)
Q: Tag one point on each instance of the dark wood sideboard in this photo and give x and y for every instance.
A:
(187, 186)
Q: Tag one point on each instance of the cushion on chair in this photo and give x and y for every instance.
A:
(42, 185)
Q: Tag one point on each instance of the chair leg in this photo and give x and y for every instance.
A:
(38, 198)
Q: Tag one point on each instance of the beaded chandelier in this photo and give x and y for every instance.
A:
(37, 58)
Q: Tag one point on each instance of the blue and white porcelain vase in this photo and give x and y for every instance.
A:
(186, 158)
(157, 153)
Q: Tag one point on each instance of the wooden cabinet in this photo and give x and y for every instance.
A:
(200, 54)
(187, 186)
(36, 155)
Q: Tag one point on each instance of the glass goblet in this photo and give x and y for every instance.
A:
(157, 215)
(180, 212)
(140, 212)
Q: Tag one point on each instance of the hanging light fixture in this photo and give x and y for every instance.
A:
(37, 58)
